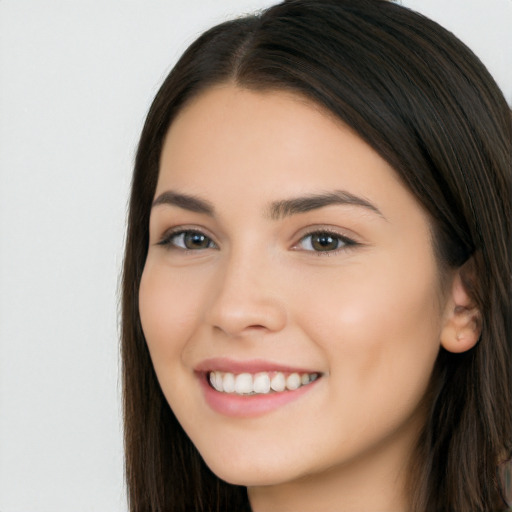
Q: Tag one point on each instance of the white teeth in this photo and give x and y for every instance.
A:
(261, 383)
(278, 382)
(243, 384)
(293, 381)
(217, 384)
(228, 383)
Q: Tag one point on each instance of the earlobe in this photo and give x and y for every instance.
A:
(463, 321)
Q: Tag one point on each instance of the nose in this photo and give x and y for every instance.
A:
(247, 297)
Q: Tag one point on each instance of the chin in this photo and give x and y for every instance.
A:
(248, 474)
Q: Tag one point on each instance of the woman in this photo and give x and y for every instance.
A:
(316, 294)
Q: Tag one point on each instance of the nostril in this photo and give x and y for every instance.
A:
(244, 316)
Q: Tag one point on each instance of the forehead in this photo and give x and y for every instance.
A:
(270, 133)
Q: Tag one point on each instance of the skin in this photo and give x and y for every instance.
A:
(370, 316)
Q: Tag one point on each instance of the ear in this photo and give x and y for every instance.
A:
(462, 320)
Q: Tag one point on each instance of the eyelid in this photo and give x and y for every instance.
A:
(165, 239)
(349, 241)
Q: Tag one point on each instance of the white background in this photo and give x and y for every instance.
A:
(76, 80)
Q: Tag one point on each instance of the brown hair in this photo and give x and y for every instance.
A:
(428, 106)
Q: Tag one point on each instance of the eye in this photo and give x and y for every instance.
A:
(188, 240)
(324, 241)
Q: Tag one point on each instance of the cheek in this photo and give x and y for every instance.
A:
(168, 304)
(381, 333)
(168, 311)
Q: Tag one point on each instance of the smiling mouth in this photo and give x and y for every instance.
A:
(261, 383)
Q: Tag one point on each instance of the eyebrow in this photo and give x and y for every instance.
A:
(287, 207)
(185, 201)
(277, 209)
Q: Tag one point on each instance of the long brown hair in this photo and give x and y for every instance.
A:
(429, 107)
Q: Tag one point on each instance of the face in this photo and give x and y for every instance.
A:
(290, 298)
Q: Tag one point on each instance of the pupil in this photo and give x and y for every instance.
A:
(196, 241)
(325, 242)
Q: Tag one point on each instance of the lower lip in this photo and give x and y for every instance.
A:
(239, 406)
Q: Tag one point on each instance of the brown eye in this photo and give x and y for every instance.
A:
(195, 240)
(323, 241)
(189, 240)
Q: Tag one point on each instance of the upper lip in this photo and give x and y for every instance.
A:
(224, 364)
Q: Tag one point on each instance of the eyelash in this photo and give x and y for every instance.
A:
(169, 237)
(346, 243)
